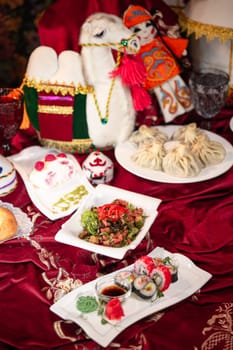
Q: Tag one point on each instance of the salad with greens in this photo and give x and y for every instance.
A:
(114, 224)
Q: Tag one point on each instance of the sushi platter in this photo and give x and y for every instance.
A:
(184, 281)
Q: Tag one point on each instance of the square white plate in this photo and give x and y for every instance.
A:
(190, 279)
(104, 194)
(56, 202)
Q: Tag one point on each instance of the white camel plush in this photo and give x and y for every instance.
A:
(44, 65)
(110, 111)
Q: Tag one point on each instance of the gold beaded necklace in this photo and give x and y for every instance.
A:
(122, 44)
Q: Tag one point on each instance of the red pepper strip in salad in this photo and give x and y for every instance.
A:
(111, 211)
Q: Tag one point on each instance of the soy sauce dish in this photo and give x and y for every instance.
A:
(107, 289)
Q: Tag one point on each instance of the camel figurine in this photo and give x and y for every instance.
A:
(77, 100)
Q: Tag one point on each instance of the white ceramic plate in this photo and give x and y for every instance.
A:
(104, 194)
(25, 226)
(56, 202)
(125, 150)
(231, 124)
(190, 279)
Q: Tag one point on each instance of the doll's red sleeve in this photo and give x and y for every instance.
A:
(177, 45)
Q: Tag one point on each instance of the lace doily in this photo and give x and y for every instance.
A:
(25, 226)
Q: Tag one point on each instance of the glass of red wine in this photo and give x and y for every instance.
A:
(11, 115)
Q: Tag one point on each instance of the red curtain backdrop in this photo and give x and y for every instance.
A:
(60, 24)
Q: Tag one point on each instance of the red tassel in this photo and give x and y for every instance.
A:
(133, 73)
(141, 98)
(131, 70)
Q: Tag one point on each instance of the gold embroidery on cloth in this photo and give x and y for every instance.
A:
(155, 317)
(220, 325)
(210, 31)
(59, 285)
(55, 109)
(59, 331)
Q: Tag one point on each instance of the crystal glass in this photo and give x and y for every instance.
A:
(11, 115)
(209, 88)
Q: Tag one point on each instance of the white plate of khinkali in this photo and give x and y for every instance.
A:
(177, 165)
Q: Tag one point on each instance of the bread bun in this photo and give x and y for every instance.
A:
(8, 224)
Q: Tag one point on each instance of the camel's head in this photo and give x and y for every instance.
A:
(102, 29)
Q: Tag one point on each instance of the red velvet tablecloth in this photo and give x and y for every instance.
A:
(194, 219)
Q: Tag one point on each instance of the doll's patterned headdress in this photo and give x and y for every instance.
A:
(135, 15)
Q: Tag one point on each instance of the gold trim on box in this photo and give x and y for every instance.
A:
(76, 145)
(55, 109)
(209, 30)
(57, 88)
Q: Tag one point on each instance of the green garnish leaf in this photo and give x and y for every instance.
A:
(89, 219)
(167, 260)
(104, 321)
(160, 294)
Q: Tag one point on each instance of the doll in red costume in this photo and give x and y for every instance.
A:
(159, 55)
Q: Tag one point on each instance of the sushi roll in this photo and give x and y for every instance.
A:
(171, 264)
(144, 265)
(158, 261)
(124, 277)
(140, 282)
(148, 290)
(162, 277)
(174, 273)
(144, 286)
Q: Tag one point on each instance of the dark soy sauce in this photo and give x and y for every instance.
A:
(113, 291)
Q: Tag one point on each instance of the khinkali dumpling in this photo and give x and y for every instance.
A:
(149, 155)
(208, 152)
(180, 162)
(187, 133)
(146, 133)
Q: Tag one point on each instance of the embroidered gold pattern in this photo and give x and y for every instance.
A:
(155, 317)
(210, 31)
(76, 145)
(59, 285)
(59, 331)
(57, 280)
(56, 87)
(220, 325)
(55, 109)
